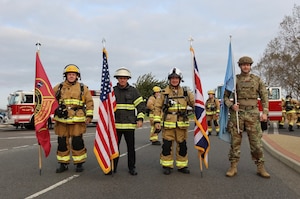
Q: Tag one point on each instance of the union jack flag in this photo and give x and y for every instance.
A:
(106, 140)
(201, 139)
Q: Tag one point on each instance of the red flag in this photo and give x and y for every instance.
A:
(45, 105)
(201, 139)
(106, 140)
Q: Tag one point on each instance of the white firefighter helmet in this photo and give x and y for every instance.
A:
(122, 72)
(175, 72)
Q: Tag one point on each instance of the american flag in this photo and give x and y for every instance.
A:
(201, 139)
(106, 140)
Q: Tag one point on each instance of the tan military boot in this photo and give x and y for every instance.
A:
(261, 171)
(232, 171)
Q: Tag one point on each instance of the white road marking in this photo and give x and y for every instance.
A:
(275, 128)
(37, 194)
(52, 187)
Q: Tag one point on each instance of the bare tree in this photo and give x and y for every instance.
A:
(280, 64)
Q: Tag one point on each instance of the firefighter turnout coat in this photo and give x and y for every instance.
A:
(173, 103)
(75, 105)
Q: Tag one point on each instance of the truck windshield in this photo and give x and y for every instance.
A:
(13, 99)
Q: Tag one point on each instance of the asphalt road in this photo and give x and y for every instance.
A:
(20, 173)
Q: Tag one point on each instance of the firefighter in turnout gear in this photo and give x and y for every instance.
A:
(74, 112)
(150, 105)
(129, 115)
(174, 122)
(248, 88)
(290, 108)
(212, 108)
(283, 118)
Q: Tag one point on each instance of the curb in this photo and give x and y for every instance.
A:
(292, 163)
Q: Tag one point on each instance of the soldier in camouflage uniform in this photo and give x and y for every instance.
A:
(248, 88)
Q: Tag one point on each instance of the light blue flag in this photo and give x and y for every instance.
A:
(229, 85)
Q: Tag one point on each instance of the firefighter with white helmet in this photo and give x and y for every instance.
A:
(129, 115)
(150, 105)
(212, 108)
(170, 115)
(75, 110)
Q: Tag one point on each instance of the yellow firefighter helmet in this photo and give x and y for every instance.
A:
(156, 89)
(71, 68)
(211, 92)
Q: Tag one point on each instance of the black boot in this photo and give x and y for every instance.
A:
(79, 167)
(62, 167)
(281, 126)
(132, 172)
(167, 170)
(291, 128)
(184, 170)
(156, 143)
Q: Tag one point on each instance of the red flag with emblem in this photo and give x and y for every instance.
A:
(45, 105)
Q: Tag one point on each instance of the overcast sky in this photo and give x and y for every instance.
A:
(144, 36)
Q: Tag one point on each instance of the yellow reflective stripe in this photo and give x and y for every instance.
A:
(181, 164)
(170, 124)
(177, 108)
(125, 106)
(89, 112)
(125, 126)
(73, 102)
(141, 116)
(79, 158)
(183, 124)
(156, 118)
(154, 137)
(138, 101)
(63, 158)
(70, 120)
(167, 163)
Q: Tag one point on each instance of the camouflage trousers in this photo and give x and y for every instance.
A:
(249, 121)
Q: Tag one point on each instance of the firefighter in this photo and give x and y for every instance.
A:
(130, 114)
(298, 115)
(74, 112)
(290, 108)
(212, 107)
(283, 118)
(248, 88)
(174, 122)
(150, 105)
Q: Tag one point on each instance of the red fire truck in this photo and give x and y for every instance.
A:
(275, 108)
(21, 109)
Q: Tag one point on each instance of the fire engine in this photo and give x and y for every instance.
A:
(21, 109)
(275, 108)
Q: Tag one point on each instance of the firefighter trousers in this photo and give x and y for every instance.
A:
(130, 142)
(169, 137)
(69, 141)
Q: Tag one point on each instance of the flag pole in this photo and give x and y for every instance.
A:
(235, 94)
(38, 44)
